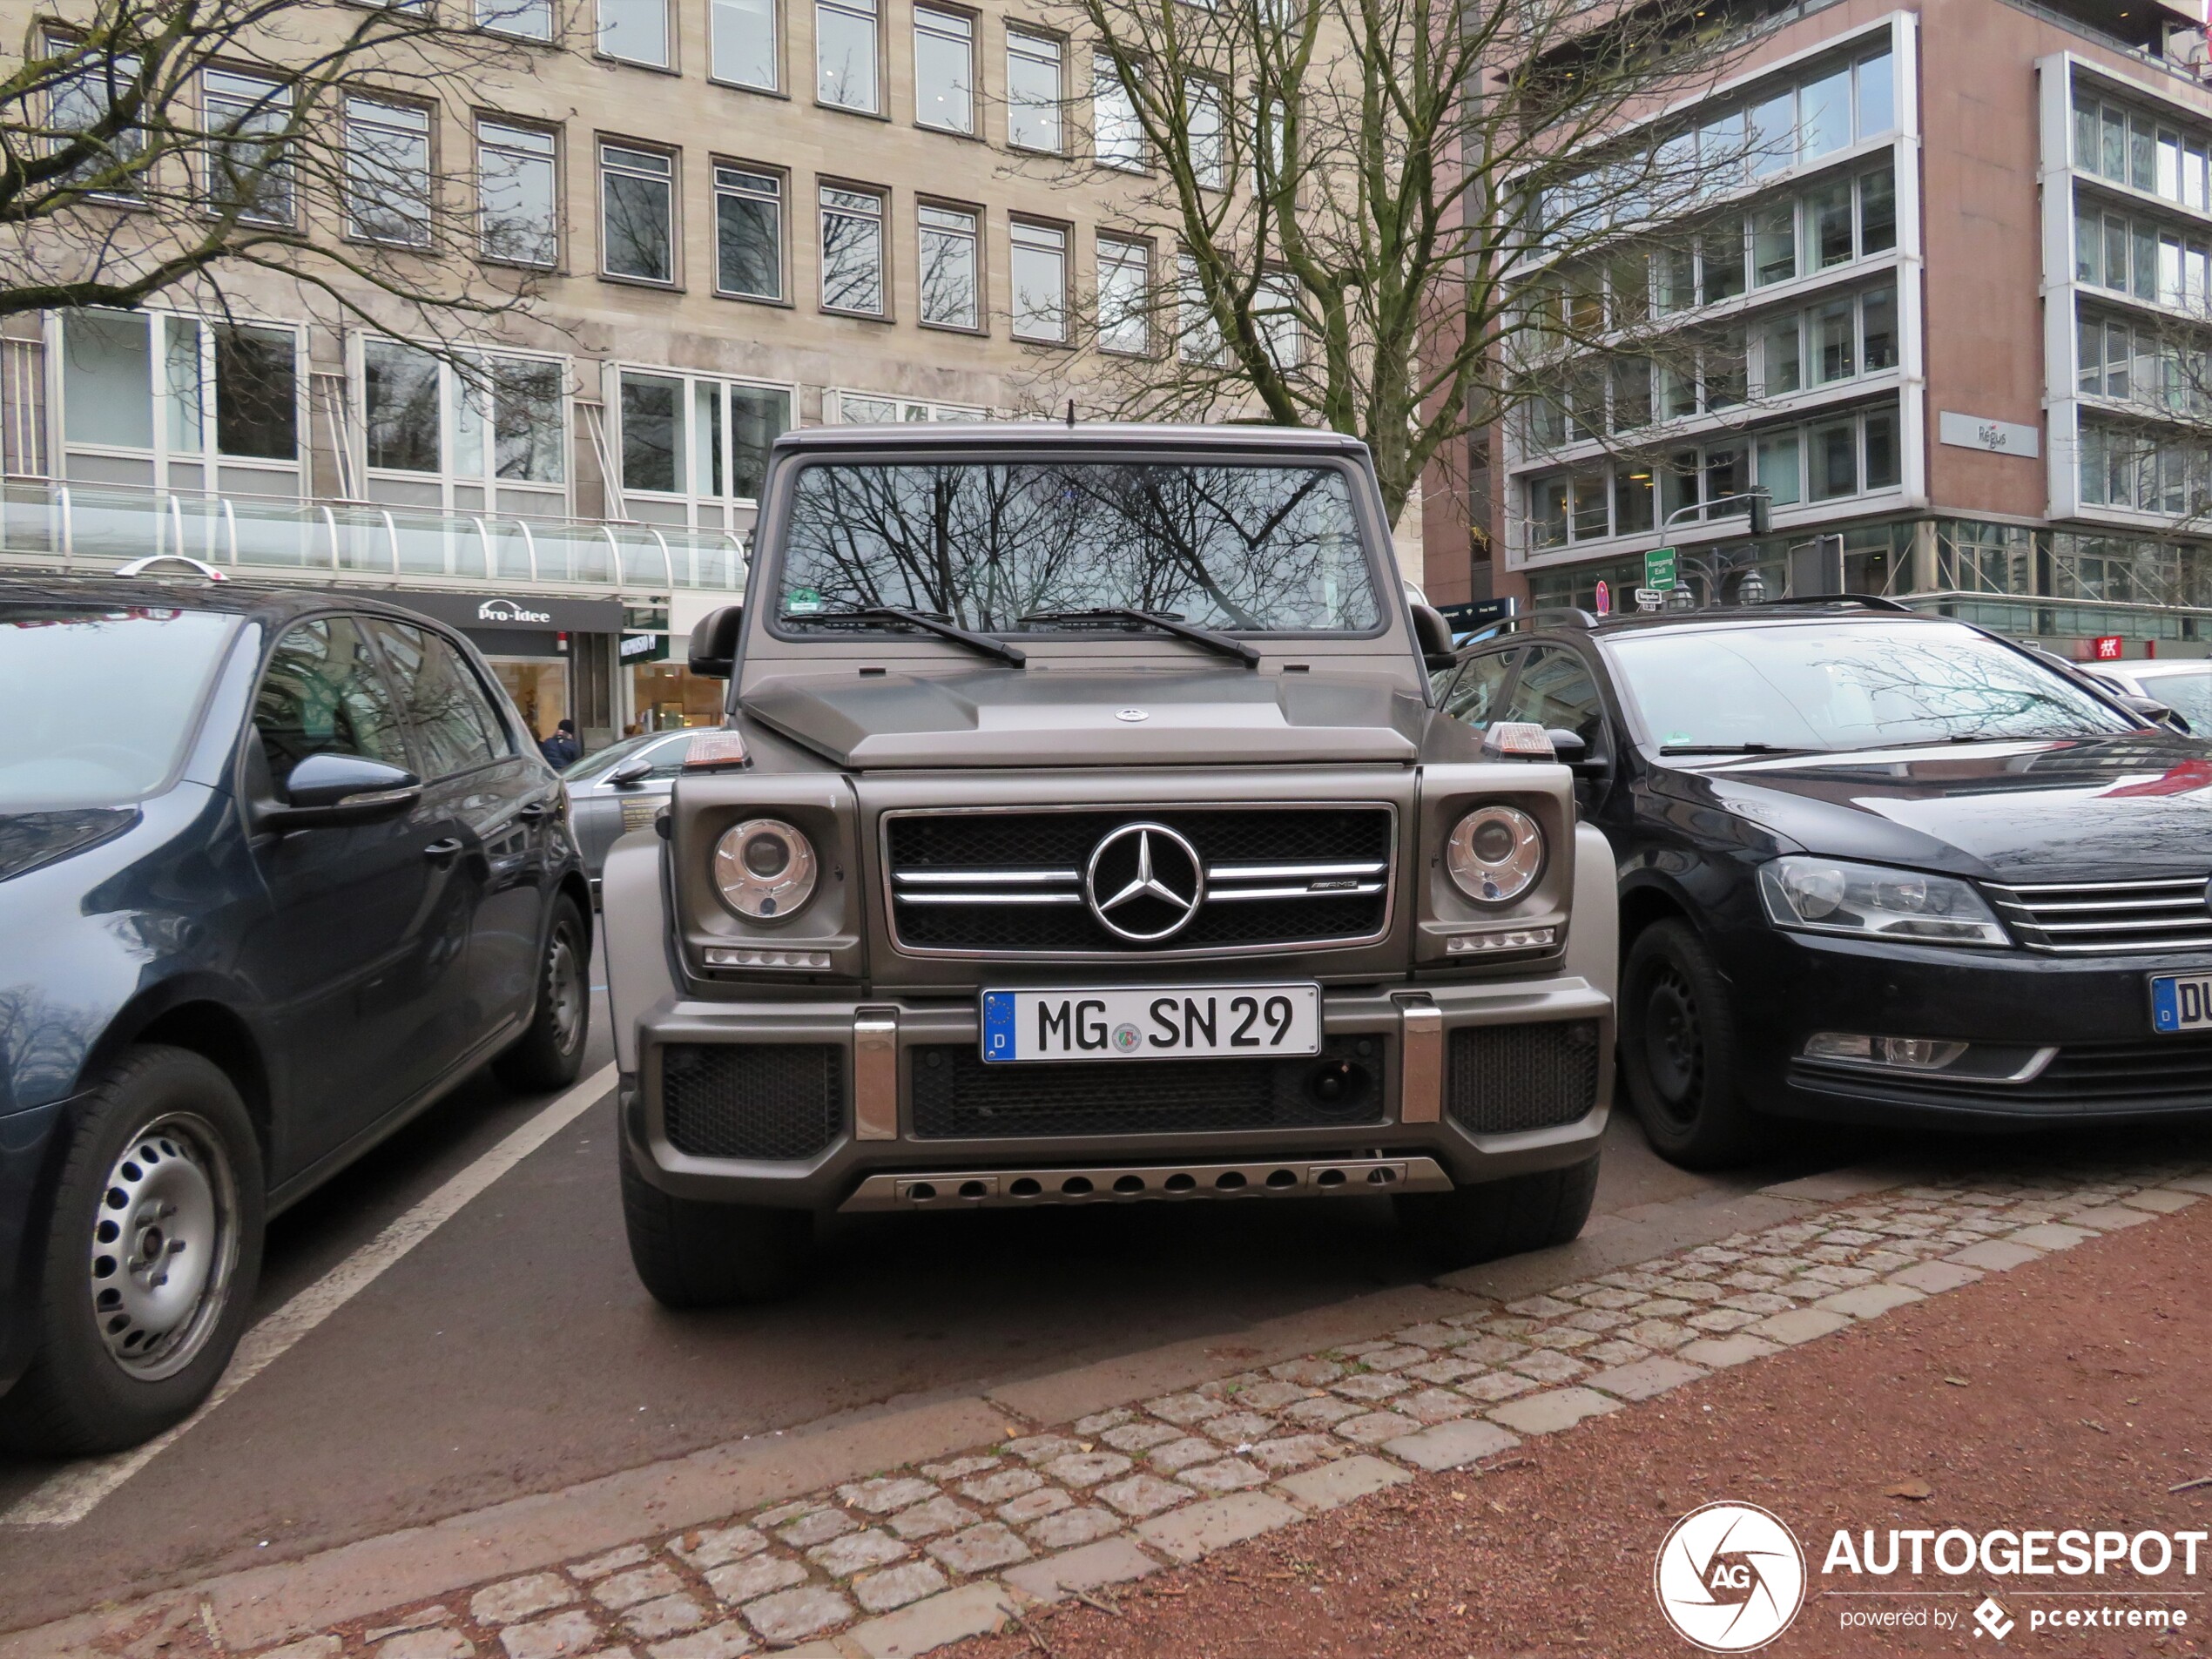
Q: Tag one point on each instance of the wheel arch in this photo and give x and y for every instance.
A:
(214, 1030)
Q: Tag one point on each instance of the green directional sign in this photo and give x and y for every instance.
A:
(1659, 569)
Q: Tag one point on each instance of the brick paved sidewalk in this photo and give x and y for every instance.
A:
(917, 1557)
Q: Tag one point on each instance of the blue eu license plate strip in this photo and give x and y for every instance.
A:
(2180, 1003)
(998, 1025)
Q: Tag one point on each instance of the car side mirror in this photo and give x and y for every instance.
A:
(631, 773)
(714, 643)
(1575, 755)
(335, 791)
(1434, 635)
(2151, 709)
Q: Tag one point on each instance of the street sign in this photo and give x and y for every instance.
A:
(2107, 648)
(1650, 599)
(1604, 603)
(1659, 569)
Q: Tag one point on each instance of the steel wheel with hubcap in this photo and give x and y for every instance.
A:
(550, 1054)
(151, 1250)
(1677, 1052)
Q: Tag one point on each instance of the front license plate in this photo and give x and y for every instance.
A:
(1152, 1023)
(2180, 1001)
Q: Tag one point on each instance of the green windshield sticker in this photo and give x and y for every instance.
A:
(803, 599)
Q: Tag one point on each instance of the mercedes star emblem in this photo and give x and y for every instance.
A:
(1144, 882)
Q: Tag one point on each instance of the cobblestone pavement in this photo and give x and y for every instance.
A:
(916, 1558)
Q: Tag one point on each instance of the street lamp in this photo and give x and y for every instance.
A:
(1752, 590)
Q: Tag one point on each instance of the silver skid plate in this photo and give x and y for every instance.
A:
(1272, 1178)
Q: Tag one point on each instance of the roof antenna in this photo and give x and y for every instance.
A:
(1071, 414)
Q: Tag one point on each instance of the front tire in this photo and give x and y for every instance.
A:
(151, 1251)
(550, 1053)
(1481, 1223)
(1678, 1053)
(693, 1255)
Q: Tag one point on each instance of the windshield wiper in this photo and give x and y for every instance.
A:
(937, 625)
(1248, 655)
(1734, 749)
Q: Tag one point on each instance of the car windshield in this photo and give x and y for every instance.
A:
(1853, 685)
(100, 701)
(1000, 547)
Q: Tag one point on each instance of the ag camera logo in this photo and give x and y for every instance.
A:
(1730, 1577)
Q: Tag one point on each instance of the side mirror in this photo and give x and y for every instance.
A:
(1575, 755)
(334, 791)
(630, 773)
(1434, 635)
(2150, 708)
(714, 642)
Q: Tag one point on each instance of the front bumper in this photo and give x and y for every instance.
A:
(2078, 1027)
(1405, 1035)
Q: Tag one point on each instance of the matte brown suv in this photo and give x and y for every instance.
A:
(1083, 830)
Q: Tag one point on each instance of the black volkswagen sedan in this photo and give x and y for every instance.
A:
(275, 873)
(1875, 867)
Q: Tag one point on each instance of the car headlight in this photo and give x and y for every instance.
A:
(764, 868)
(1495, 854)
(1828, 896)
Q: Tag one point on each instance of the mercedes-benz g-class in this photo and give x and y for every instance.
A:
(1081, 829)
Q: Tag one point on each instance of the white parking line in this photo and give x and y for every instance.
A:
(69, 1495)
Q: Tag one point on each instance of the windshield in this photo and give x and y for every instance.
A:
(99, 702)
(1856, 686)
(1242, 548)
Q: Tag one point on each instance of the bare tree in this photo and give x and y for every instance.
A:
(1333, 207)
(165, 146)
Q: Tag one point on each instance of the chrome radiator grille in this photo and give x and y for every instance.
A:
(2096, 917)
(1021, 881)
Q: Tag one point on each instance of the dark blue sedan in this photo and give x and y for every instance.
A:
(276, 872)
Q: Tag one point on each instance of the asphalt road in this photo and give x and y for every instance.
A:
(513, 1351)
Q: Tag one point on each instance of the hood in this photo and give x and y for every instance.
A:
(1043, 717)
(2102, 809)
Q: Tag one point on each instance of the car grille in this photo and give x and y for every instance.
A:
(1500, 1079)
(957, 1097)
(740, 1100)
(2077, 919)
(1012, 883)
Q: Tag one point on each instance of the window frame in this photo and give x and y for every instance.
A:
(428, 131)
(782, 179)
(1016, 224)
(279, 175)
(666, 63)
(689, 382)
(775, 34)
(453, 393)
(822, 209)
(672, 180)
(1141, 163)
(873, 10)
(968, 22)
(1145, 252)
(979, 309)
(1036, 39)
(552, 133)
(516, 7)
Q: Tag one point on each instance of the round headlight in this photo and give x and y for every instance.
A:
(1495, 854)
(765, 867)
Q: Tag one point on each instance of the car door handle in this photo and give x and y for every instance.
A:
(439, 852)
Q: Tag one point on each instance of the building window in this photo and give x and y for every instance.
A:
(531, 19)
(1275, 311)
(247, 169)
(638, 212)
(1033, 93)
(944, 70)
(744, 44)
(951, 266)
(496, 417)
(1834, 448)
(1720, 261)
(1039, 268)
(1779, 472)
(1877, 330)
(1117, 136)
(635, 30)
(81, 103)
(1781, 365)
(1198, 330)
(1828, 226)
(387, 172)
(1271, 121)
(705, 438)
(1824, 115)
(844, 54)
(1774, 243)
(1125, 297)
(868, 408)
(748, 233)
(853, 250)
(1877, 90)
(144, 382)
(1881, 468)
(1207, 132)
(517, 202)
